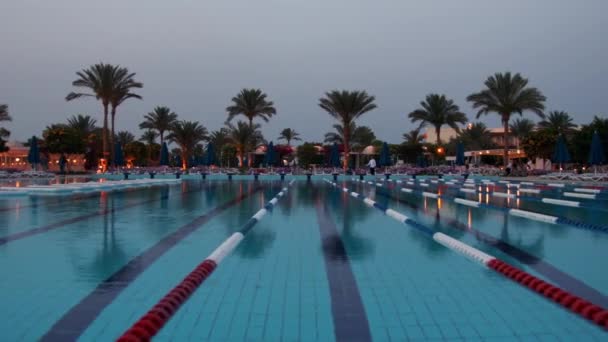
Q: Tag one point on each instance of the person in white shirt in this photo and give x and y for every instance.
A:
(372, 166)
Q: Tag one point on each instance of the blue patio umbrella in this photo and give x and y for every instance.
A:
(210, 155)
(596, 153)
(119, 160)
(561, 155)
(269, 157)
(334, 156)
(460, 153)
(62, 163)
(164, 154)
(385, 156)
(33, 155)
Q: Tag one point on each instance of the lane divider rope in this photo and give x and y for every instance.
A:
(517, 212)
(586, 309)
(151, 323)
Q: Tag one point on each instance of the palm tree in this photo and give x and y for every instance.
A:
(82, 123)
(437, 110)
(187, 134)
(251, 103)
(149, 137)
(288, 135)
(557, 122)
(476, 137)
(161, 119)
(123, 84)
(4, 133)
(102, 81)
(124, 138)
(413, 137)
(521, 128)
(346, 107)
(507, 94)
(360, 136)
(4, 116)
(244, 137)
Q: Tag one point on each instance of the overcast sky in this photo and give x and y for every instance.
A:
(193, 56)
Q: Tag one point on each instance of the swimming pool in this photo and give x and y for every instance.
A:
(322, 265)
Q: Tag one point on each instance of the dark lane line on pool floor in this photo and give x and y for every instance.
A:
(30, 232)
(544, 268)
(79, 317)
(350, 319)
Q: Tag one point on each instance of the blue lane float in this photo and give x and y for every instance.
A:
(514, 212)
(579, 306)
(152, 322)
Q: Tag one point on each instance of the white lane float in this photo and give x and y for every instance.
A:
(503, 194)
(561, 202)
(533, 216)
(579, 195)
(589, 191)
(464, 249)
(529, 191)
(430, 195)
(467, 202)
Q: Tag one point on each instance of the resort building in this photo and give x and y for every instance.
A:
(448, 133)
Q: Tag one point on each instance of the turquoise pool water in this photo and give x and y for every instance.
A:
(322, 266)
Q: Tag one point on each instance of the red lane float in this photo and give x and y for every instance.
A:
(588, 310)
(151, 323)
(148, 325)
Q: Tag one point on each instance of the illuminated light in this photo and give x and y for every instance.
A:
(17, 159)
(487, 198)
(518, 152)
(479, 197)
(487, 151)
(470, 220)
(584, 168)
(439, 150)
(439, 203)
(517, 202)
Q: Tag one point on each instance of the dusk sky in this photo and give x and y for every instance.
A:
(193, 56)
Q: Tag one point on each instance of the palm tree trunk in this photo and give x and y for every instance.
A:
(104, 135)
(505, 138)
(162, 138)
(112, 136)
(184, 160)
(346, 141)
(438, 133)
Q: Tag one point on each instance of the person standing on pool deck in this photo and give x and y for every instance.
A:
(372, 166)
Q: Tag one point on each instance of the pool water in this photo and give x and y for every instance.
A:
(322, 266)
